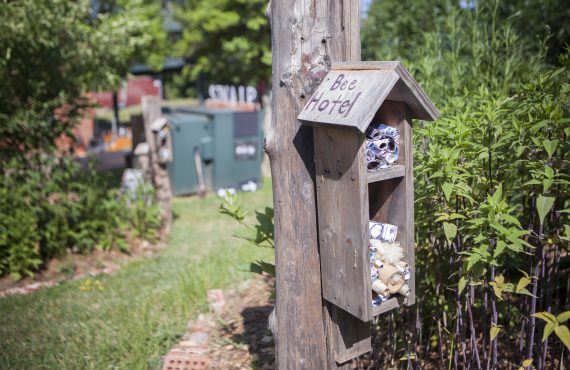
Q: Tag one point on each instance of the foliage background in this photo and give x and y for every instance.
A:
(51, 52)
(491, 182)
(228, 41)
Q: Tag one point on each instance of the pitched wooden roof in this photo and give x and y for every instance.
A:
(351, 93)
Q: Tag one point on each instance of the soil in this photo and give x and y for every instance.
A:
(242, 339)
(234, 335)
(77, 266)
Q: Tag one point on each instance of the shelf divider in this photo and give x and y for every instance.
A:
(392, 172)
(389, 305)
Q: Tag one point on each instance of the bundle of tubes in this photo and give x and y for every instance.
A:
(381, 146)
(389, 273)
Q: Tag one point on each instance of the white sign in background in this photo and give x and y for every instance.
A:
(233, 94)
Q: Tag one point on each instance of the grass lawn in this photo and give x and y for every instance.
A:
(143, 308)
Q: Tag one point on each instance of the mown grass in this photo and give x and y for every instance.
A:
(143, 308)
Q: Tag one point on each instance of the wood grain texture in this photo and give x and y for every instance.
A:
(407, 90)
(349, 98)
(397, 170)
(306, 37)
(159, 173)
(350, 337)
(342, 202)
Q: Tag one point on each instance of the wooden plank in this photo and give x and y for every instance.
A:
(350, 337)
(389, 305)
(159, 173)
(343, 44)
(306, 37)
(348, 98)
(407, 90)
(342, 202)
(395, 171)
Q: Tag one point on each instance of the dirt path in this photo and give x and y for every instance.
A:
(235, 337)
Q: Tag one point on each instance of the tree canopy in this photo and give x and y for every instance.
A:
(54, 50)
(227, 40)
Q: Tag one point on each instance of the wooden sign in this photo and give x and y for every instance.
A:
(351, 94)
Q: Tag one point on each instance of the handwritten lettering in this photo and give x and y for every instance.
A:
(342, 103)
(341, 83)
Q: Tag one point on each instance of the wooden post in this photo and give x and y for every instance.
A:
(306, 38)
(159, 173)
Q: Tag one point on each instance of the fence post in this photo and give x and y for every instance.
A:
(158, 171)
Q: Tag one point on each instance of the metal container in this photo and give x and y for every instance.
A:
(213, 148)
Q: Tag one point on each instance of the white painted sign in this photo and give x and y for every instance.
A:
(233, 94)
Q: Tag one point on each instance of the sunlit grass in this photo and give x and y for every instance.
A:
(130, 319)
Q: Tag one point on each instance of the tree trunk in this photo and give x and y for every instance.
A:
(307, 36)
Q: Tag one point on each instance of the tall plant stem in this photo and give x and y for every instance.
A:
(474, 349)
(534, 293)
(495, 319)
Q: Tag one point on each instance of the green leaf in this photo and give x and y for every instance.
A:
(473, 259)
(454, 216)
(523, 282)
(461, 285)
(494, 332)
(501, 245)
(527, 362)
(546, 184)
(497, 290)
(548, 329)
(447, 189)
(443, 217)
(564, 334)
(268, 268)
(550, 146)
(546, 316)
(543, 206)
(563, 317)
(450, 231)
(532, 182)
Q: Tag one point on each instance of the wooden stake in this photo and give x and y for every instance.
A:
(307, 36)
(158, 172)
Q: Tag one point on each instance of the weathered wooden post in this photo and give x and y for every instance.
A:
(153, 126)
(306, 38)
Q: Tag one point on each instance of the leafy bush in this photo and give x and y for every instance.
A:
(492, 195)
(259, 234)
(54, 209)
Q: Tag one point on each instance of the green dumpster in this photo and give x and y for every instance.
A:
(215, 148)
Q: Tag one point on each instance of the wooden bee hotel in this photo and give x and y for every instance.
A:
(362, 114)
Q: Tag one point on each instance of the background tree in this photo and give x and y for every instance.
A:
(227, 40)
(53, 51)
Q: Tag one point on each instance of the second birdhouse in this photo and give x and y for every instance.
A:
(362, 113)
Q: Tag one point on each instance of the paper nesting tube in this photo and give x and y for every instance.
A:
(392, 278)
(405, 290)
(380, 288)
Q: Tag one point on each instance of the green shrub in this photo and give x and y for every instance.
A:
(53, 208)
